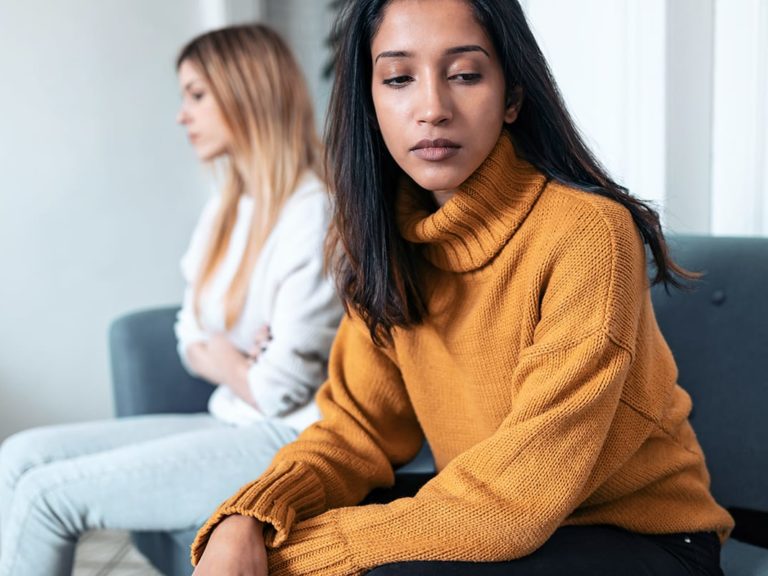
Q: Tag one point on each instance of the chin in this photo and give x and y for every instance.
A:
(439, 178)
(208, 156)
(438, 184)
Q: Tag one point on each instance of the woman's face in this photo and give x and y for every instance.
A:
(438, 91)
(201, 115)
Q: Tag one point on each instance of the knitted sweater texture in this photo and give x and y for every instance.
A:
(539, 377)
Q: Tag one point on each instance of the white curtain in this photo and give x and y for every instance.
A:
(673, 97)
(740, 118)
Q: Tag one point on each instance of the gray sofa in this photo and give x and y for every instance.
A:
(718, 334)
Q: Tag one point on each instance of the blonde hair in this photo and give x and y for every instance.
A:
(265, 103)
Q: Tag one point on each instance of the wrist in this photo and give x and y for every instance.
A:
(238, 379)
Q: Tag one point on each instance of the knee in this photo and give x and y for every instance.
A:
(41, 491)
(22, 452)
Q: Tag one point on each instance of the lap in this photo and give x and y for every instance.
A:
(167, 482)
(588, 551)
(46, 444)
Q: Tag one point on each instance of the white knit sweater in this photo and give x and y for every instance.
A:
(288, 292)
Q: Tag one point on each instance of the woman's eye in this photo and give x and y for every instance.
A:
(467, 78)
(397, 81)
(197, 96)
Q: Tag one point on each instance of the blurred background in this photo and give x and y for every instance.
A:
(99, 189)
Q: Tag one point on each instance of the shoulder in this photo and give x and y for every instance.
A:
(575, 208)
(304, 220)
(311, 193)
(209, 211)
(598, 228)
(309, 207)
(191, 259)
(593, 250)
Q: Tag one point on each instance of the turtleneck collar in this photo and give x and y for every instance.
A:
(475, 224)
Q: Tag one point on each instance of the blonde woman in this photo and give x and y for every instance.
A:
(258, 318)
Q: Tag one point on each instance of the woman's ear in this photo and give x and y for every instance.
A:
(513, 104)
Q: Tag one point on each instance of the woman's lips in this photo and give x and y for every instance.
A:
(435, 150)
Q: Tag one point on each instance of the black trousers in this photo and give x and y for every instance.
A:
(579, 551)
(589, 551)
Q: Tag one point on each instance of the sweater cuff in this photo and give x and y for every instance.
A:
(285, 492)
(316, 548)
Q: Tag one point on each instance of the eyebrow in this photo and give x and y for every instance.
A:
(449, 52)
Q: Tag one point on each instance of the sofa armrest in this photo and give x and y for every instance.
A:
(147, 375)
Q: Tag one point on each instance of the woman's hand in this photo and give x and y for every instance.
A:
(236, 548)
(260, 341)
(220, 362)
(230, 363)
(217, 360)
(232, 366)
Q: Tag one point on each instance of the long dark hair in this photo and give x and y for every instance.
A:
(377, 270)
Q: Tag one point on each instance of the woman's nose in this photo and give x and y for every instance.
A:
(434, 103)
(182, 117)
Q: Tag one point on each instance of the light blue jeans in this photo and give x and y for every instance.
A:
(160, 472)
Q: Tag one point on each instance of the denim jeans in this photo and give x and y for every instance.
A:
(159, 472)
(590, 551)
(573, 551)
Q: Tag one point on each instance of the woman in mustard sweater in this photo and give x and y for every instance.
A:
(498, 306)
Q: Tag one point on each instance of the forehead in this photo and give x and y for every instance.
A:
(428, 25)
(188, 73)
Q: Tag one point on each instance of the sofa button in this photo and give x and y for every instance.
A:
(718, 297)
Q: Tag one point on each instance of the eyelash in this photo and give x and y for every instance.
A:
(469, 77)
(397, 82)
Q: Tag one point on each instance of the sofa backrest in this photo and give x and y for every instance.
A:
(719, 337)
(147, 375)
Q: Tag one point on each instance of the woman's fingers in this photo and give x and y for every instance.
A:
(260, 342)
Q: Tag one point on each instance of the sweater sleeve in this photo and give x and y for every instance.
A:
(304, 315)
(368, 428)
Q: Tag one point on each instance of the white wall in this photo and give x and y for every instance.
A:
(305, 24)
(98, 192)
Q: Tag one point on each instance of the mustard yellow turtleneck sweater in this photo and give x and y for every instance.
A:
(540, 379)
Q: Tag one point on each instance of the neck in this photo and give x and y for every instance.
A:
(442, 196)
(473, 225)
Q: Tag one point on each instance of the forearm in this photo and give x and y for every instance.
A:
(368, 425)
(199, 361)
(234, 374)
(236, 548)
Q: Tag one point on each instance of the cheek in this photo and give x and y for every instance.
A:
(488, 109)
(390, 117)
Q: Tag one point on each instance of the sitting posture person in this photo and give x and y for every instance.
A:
(495, 278)
(258, 319)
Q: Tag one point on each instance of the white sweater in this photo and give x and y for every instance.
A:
(288, 292)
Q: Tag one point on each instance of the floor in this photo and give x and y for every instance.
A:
(110, 553)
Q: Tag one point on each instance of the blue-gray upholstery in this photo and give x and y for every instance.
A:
(148, 378)
(718, 334)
